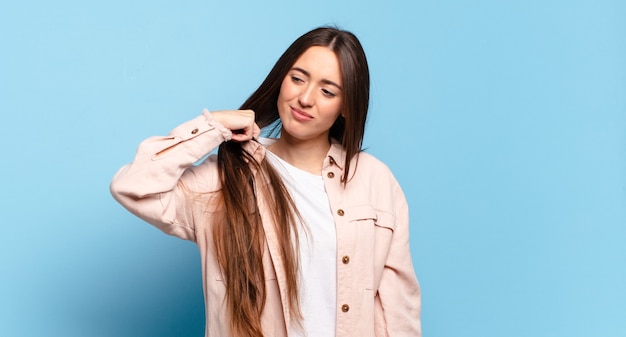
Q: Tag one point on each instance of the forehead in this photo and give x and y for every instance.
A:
(321, 63)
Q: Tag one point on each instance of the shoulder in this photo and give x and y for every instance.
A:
(367, 165)
(372, 162)
(371, 176)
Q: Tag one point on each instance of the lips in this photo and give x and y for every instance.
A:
(300, 115)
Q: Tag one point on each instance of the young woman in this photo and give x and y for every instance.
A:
(304, 235)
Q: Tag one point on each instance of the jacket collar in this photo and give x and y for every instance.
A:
(336, 155)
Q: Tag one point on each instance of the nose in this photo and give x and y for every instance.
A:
(306, 98)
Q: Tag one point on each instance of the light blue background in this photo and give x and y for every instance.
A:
(504, 121)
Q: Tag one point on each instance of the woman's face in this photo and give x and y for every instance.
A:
(311, 95)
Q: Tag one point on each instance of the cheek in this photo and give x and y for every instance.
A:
(332, 109)
(287, 91)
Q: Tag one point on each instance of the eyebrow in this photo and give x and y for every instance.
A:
(306, 73)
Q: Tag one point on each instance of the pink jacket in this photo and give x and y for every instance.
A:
(377, 290)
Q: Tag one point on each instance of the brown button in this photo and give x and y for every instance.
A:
(340, 212)
(345, 259)
(194, 131)
(345, 308)
(330, 175)
(332, 161)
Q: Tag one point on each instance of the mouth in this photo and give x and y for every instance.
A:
(300, 115)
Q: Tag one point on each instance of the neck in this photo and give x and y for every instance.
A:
(305, 155)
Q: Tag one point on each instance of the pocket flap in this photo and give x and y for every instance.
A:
(385, 219)
(365, 212)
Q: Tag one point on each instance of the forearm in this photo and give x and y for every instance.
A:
(148, 186)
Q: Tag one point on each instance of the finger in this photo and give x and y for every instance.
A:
(256, 131)
(240, 137)
(245, 134)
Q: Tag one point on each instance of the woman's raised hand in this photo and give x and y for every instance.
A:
(240, 122)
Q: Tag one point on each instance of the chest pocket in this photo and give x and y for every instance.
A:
(371, 232)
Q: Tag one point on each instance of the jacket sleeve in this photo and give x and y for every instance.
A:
(153, 185)
(399, 291)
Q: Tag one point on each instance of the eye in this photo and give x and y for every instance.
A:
(328, 93)
(296, 79)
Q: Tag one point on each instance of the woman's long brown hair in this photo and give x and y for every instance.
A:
(239, 237)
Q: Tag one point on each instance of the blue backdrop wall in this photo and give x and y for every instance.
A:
(504, 121)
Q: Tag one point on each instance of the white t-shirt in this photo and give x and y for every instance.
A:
(318, 250)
